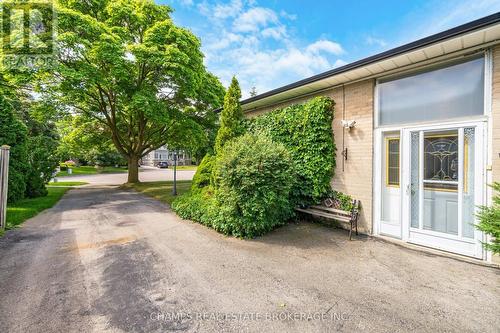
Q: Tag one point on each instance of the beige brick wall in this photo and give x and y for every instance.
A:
(355, 178)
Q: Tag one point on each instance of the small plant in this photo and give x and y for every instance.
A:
(489, 221)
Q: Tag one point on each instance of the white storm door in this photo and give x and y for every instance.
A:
(444, 187)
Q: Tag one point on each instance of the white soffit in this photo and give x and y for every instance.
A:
(474, 39)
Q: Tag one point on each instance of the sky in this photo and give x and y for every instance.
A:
(267, 44)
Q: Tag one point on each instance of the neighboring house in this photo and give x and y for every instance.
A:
(426, 138)
(163, 154)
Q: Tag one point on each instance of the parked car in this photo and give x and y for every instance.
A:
(162, 165)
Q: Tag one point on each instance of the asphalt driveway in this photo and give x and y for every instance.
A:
(109, 260)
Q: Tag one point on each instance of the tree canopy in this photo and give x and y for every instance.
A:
(125, 65)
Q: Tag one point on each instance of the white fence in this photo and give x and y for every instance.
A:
(4, 182)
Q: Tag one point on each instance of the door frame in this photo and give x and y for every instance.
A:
(481, 124)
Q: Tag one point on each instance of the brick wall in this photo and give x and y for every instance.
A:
(355, 178)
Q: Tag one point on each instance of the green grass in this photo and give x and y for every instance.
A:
(161, 190)
(24, 209)
(66, 183)
(185, 167)
(91, 170)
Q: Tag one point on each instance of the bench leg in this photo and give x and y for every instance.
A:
(350, 232)
(356, 226)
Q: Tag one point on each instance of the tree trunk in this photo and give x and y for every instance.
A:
(133, 169)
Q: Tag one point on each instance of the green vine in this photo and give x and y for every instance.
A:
(306, 131)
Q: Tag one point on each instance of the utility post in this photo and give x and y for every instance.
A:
(4, 182)
(174, 190)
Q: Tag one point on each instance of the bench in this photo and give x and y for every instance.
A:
(330, 210)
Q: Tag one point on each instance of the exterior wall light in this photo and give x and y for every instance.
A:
(348, 124)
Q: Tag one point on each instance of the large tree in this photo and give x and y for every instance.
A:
(124, 64)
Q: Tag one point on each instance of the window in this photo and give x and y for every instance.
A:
(392, 162)
(445, 93)
(441, 161)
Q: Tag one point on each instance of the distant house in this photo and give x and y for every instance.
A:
(163, 154)
(421, 123)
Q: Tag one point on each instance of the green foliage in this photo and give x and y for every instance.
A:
(14, 134)
(489, 221)
(197, 205)
(253, 178)
(344, 199)
(231, 116)
(204, 173)
(42, 158)
(306, 131)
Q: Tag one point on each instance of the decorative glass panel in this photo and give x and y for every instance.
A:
(392, 173)
(414, 178)
(451, 92)
(441, 160)
(468, 209)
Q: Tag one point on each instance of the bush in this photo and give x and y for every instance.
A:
(253, 177)
(14, 133)
(203, 173)
(306, 131)
(489, 221)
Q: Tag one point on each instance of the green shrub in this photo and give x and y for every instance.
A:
(14, 134)
(203, 173)
(63, 166)
(489, 221)
(231, 117)
(253, 178)
(194, 205)
(306, 131)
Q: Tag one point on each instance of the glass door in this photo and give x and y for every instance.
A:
(444, 188)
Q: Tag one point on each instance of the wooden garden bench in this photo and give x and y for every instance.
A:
(330, 210)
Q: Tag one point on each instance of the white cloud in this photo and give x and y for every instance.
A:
(186, 2)
(370, 40)
(254, 19)
(275, 32)
(325, 45)
(231, 9)
(254, 43)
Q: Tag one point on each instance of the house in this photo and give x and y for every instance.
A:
(421, 125)
(163, 154)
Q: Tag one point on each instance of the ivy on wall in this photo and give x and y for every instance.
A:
(306, 131)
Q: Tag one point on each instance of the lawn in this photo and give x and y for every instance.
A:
(185, 167)
(62, 184)
(91, 170)
(22, 210)
(161, 190)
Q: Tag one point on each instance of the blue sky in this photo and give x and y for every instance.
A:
(268, 44)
